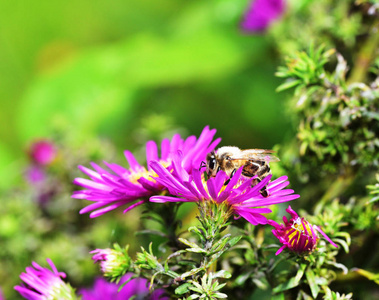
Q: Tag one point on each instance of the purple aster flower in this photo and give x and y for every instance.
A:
(1, 295)
(242, 199)
(297, 234)
(42, 152)
(138, 287)
(43, 284)
(119, 186)
(261, 14)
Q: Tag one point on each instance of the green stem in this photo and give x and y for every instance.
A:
(365, 56)
(334, 190)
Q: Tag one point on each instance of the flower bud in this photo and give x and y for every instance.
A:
(297, 234)
(114, 263)
(147, 260)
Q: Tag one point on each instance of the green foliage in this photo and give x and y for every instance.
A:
(338, 121)
(304, 69)
(374, 190)
(140, 71)
(208, 289)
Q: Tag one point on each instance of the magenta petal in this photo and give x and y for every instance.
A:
(133, 163)
(134, 205)
(163, 199)
(280, 250)
(165, 149)
(151, 152)
(325, 236)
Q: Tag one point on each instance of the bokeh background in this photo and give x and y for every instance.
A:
(112, 69)
(98, 77)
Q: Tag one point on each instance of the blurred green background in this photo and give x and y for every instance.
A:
(112, 68)
(101, 76)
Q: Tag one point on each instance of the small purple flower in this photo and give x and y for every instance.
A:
(35, 174)
(261, 14)
(42, 152)
(41, 283)
(1, 295)
(112, 189)
(297, 234)
(103, 289)
(243, 200)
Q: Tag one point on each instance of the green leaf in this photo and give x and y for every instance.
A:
(369, 275)
(222, 274)
(188, 243)
(192, 272)
(287, 85)
(293, 282)
(234, 240)
(182, 289)
(279, 296)
(315, 289)
(196, 250)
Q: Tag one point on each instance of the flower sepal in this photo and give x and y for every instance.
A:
(114, 263)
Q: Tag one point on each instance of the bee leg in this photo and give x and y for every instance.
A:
(231, 175)
(263, 191)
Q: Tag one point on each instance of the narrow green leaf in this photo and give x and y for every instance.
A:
(188, 243)
(222, 274)
(196, 250)
(182, 289)
(371, 276)
(315, 289)
(293, 282)
(288, 85)
(234, 240)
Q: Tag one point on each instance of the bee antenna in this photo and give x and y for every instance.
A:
(202, 165)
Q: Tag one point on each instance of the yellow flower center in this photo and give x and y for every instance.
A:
(301, 228)
(149, 175)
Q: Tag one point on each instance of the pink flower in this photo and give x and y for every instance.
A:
(42, 152)
(138, 287)
(243, 200)
(297, 234)
(120, 186)
(41, 283)
(35, 174)
(261, 14)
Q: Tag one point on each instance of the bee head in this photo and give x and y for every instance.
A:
(212, 164)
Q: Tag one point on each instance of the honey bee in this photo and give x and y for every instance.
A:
(229, 159)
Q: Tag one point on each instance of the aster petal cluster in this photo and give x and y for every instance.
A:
(261, 14)
(117, 186)
(138, 287)
(297, 234)
(42, 284)
(243, 200)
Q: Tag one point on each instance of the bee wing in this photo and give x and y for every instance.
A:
(258, 151)
(257, 154)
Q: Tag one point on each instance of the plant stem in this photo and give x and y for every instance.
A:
(365, 56)
(334, 190)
